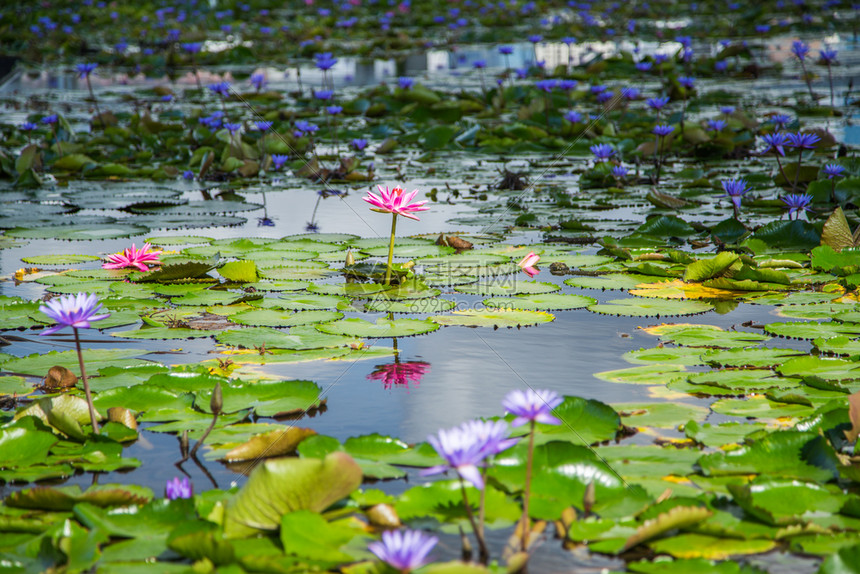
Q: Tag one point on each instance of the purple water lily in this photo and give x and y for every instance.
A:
(176, 488)
(404, 550)
(532, 406)
(602, 152)
(76, 311)
(776, 142)
(797, 203)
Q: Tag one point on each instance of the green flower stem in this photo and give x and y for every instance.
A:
(797, 173)
(483, 553)
(87, 392)
(528, 488)
(391, 249)
(96, 102)
(782, 171)
(808, 81)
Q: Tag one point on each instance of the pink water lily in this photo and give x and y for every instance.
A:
(395, 201)
(528, 264)
(133, 257)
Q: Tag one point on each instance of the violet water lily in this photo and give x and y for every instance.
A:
(176, 488)
(84, 72)
(395, 202)
(828, 58)
(404, 550)
(735, 190)
(78, 312)
(531, 407)
(796, 203)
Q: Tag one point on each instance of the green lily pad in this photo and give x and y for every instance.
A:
(641, 307)
(612, 281)
(812, 330)
(703, 335)
(59, 259)
(722, 434)
(710, 547)
(498, 318)
(297, 339)
(776, 455)
(94, 359)
(270, 318)
(382, 328)
(669, 355)
(649, 374)
(279, 486)
(749, 357)
(760, 408)
(659, 415)
(75, 232)
(431, 305)
(541, 302)
(503, 287)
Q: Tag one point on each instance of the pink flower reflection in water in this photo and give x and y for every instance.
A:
(399, 374)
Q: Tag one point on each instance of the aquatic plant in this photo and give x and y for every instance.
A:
(395, 202)
(530, 407)
(133, 257)
(404, 550)
(796, 203)
(527, 264)
(178, 488)
(735, 189)
(78, 312)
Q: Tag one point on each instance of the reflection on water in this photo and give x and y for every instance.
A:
(399, 374)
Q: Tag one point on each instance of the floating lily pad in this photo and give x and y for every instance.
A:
(509, 287)
(710, 547)
(610, 281)
(671, 355)
(271, 318)
(722, 434)
(749, 357)
(760, 408)
(382, 328)
(499, 318)
(660, 415)
(804, 330)
(703, 335)
(77, 232)
(59, 259)
(639, 307)
(298, 338)
(304, 302)
(541, 302)
(650, 374)
(433, 305)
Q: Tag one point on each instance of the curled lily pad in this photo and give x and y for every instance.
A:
(282, 485)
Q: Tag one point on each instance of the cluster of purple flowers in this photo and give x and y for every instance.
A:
(467, 447)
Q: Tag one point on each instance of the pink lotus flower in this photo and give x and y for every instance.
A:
(395, 201)
(528, 264)
(133, 257)
(399, 374)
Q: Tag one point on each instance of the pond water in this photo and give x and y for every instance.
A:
(568, 206)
